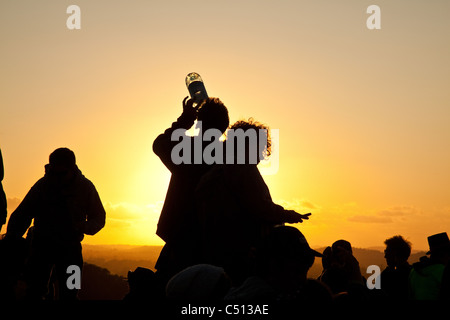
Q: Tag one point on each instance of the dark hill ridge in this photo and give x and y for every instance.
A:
(119, 259)
(106, 267)
(99, 284)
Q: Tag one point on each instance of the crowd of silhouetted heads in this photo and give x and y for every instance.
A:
(279, 273)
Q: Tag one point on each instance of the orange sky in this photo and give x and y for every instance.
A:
(363, 115)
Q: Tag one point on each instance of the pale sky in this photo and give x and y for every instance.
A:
(363, 115)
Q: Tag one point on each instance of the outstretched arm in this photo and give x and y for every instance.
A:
(254, 194)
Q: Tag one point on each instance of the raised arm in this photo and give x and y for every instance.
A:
(163, 145)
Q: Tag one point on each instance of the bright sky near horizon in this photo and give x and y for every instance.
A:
(363, 115)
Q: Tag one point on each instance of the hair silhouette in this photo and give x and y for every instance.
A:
(264, 148)
(213, 114)
(395, 278)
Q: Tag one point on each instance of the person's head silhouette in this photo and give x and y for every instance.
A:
(257, 141)
(285, 254)
(213, 114)
(61, 166)
(397, 251)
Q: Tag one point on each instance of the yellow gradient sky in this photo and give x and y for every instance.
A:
(363, 115)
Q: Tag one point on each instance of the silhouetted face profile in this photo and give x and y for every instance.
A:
(62, 166)
(390, 256)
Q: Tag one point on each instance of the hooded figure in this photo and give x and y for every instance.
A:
(64, 205)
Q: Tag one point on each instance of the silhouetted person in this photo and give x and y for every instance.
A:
(426, 276)
(178, 225)
(335, 274)
(283, 259)
(343, 275)
(394, 279)
(64, 205)
(343, 244)
(13, 253)
(3, 205)
(142, 284)
(326, 261)
(235, 207)
(199, 283)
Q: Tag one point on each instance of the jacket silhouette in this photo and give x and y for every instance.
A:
(178, 205)
(236, 210)
(178, 224)
(63, 213)
(65, 206)
(425, 279)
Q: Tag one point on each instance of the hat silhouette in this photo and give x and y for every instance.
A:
(438, 242)
(286, 240)
(344, 244)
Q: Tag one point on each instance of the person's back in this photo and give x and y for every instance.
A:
(425, 280)
(395, 281)
(234, 201)
(335, 275)
(235, 207)
(65, 206)
(230, 199)
(426, 276)
(61, 211)
(198, 283)
(395, 277)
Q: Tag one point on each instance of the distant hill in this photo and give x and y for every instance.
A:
(99, 284)
(106, 267)
(119, 259)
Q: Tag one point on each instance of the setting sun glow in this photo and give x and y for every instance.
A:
(363, 115)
